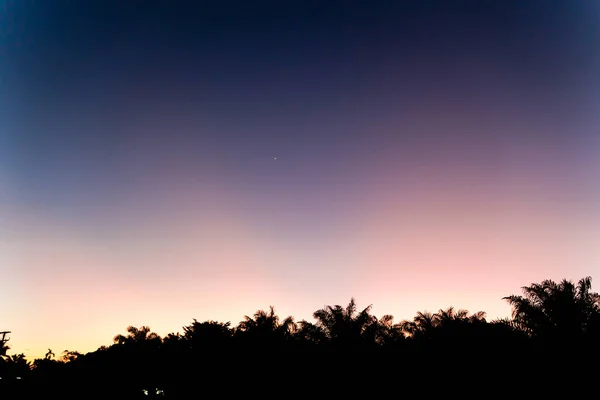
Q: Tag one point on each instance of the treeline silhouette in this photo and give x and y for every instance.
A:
(547, 318)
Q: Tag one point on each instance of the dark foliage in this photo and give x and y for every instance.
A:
(344, 352)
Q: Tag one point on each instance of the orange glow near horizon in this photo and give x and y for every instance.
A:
(78, 293)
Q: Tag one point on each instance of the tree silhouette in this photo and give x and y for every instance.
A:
(456, 319)
(422, 325)
(265, 328)
(553, 313)
(140, 352)
(420, 329)
(557, 318)
(70, 356)
(342, 327)
(202, 338)
(49, 355)
(19, 360)
(136, 335)
(389, 335)
(208, 333)
(16, 365)
(446, 330)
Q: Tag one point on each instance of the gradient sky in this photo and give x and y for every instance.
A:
(428, 154)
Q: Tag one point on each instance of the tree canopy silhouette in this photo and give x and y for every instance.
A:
(548, 316)
(561, 313)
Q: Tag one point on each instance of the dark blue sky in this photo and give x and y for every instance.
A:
(276, 77)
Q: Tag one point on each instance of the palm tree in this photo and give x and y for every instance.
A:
(450, 315)
(310, 334)
(141, 351)
(454, 318)
(446, 330)
(136, 335)
(265, 326)
(49, 355)
(422, 325)
(342, 327)
(553, 311)
(477, 317)
(388, 334)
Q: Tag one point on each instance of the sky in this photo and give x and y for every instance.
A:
(162, 161)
